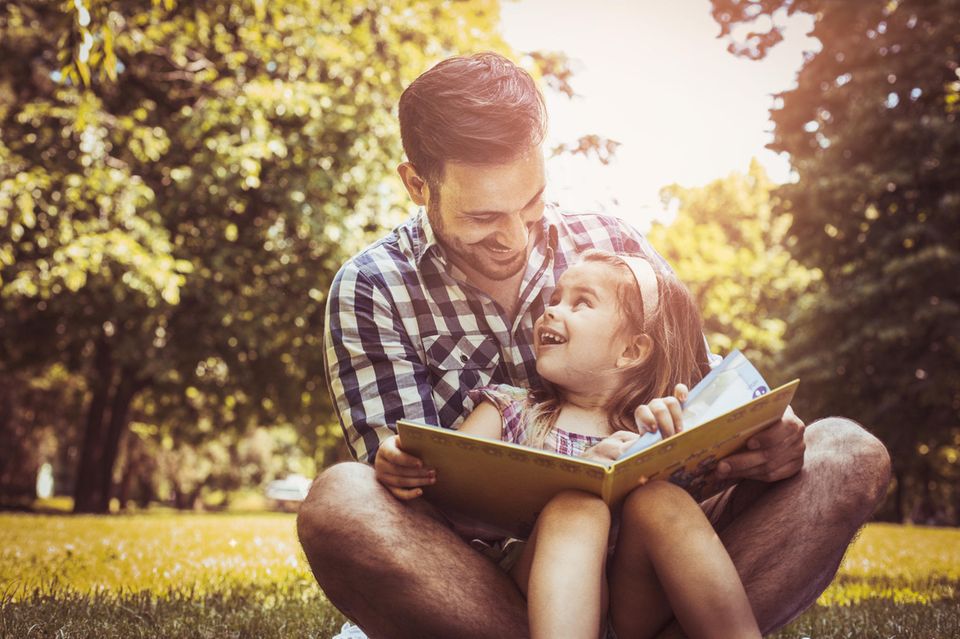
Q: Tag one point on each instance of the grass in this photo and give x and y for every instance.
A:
(895, 581)
(168, 575)
(162, 575)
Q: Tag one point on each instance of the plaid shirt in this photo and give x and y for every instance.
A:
(406, 337)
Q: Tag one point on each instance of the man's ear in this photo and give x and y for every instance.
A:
(416, 186)
(637, 350)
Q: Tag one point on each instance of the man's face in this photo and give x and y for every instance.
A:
(486, 214)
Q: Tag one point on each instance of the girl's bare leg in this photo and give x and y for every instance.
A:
(670, 562)
(562, 567)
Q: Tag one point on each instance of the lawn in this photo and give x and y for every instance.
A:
(166, 575)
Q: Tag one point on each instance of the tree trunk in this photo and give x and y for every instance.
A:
(106, 421)
(194, 499)
(86, 497)
(7, 436)
(117, 424)
(125, 488)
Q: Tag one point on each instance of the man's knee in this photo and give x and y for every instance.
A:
(856, 461)
(334, 504)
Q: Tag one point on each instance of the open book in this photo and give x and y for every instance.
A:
(507, 485)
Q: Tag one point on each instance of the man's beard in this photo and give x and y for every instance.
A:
(477, 257)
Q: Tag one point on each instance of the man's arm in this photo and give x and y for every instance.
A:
(374, 372)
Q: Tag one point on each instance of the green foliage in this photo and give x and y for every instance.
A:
(728, 245)
(227, 575)
(179, 181)
(872, 132)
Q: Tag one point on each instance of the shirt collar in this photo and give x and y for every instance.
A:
(423, 237)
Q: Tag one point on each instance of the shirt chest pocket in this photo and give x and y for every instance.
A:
(458, 364)
(461, 352)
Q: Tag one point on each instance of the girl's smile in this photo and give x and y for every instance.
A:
(580, 335)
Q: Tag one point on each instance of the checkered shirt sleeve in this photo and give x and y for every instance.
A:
(373, 369)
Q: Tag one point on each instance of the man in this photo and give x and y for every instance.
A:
(446, 303)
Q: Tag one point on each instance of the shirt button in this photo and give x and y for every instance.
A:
(464, 358)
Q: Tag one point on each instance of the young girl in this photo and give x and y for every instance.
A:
(616, 339)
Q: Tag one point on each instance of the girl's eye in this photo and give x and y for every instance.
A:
(582, 301)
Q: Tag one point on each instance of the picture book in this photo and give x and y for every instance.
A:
(505, 485)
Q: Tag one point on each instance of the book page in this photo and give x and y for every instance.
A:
(732, 383)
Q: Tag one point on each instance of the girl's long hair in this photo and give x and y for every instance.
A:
(678, 352)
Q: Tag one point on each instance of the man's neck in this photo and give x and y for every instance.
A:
(506, 292)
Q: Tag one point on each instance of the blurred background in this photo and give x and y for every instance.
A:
(179, 182)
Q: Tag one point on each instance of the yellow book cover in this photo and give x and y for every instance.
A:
(507, 485)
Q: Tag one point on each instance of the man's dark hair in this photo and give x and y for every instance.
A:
(480, 109)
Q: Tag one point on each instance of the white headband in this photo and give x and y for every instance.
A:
(646, 279)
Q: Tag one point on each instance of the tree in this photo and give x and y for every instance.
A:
(178, 183)
(872, 133)
(730, 227)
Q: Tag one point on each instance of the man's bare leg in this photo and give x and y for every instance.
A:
(396, 570)
(787, 539)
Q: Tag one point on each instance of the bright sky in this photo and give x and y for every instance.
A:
(652, 75)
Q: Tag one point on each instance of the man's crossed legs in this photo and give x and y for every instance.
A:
(399, 571)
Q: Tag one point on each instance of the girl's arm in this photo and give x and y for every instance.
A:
(485, 421)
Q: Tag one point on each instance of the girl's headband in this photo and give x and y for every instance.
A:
(646, 279)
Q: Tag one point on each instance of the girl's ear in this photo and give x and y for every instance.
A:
(637, 350)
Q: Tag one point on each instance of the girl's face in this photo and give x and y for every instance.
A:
(580, 335)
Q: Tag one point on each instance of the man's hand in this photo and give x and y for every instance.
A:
(610, 448)
(663, 413)
(773, 454)
(401, 472)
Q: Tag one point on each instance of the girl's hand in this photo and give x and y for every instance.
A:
(401, 472)
(663, 413)
(611, 448)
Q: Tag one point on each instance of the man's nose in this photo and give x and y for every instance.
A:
(513, 232)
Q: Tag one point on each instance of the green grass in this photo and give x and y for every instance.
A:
(162, 575)
(895, 581)
(167, 575)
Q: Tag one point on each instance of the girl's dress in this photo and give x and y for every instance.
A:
(513, 402)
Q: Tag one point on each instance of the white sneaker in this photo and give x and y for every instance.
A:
(350, 631)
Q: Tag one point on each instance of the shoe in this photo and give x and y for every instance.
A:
(350, 631)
